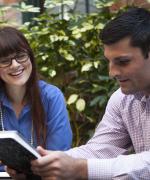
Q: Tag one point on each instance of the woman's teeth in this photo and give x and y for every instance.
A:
(16, 73)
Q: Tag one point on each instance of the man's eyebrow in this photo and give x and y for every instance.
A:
(118, 58)
(122, 57)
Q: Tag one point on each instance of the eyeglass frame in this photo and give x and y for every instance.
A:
(16, 59)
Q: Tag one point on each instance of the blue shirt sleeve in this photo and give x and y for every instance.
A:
(59, 133)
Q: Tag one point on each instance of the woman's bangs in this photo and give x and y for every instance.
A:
(10, 45)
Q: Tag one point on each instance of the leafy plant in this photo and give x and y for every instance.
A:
(70, 55)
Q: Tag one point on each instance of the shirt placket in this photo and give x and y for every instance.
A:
(146, 126)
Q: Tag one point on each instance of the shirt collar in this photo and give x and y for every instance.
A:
(141, 97)
(4, 99)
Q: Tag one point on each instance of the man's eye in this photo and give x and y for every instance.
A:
(123, 62)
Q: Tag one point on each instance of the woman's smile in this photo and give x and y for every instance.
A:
(17, 73)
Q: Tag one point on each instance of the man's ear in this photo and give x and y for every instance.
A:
(147, 54)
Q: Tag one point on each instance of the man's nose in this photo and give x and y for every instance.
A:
(114, 70)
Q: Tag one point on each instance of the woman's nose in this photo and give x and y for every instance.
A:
(14, 63)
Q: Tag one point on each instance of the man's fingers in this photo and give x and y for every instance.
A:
(46, 160)
(42, 151)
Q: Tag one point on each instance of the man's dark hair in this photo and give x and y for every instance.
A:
(135, 24)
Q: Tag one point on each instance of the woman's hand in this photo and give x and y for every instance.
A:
(16, 176)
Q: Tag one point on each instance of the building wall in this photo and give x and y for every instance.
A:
(122, 3)
(8, 1)
(13, 16)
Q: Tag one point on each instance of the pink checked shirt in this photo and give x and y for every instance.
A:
(125, 127)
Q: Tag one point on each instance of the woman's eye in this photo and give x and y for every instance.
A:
(21, 56)
(5, 61)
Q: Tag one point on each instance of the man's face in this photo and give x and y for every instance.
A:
(128, 65)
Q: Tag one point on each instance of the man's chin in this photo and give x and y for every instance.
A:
(127, 91)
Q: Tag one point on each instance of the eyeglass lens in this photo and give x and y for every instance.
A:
(20, 58)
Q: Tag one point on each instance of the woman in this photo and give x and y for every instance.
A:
(32, 107)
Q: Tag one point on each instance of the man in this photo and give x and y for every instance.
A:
(126, 123)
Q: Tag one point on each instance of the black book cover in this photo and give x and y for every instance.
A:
(15, 152)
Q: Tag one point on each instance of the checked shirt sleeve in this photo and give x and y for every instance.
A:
(130, 167)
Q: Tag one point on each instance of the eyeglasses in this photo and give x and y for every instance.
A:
(20, 58)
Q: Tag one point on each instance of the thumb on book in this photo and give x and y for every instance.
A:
(42, 151)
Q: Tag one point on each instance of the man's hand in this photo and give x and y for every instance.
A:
(57, 165)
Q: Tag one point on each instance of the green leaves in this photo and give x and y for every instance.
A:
(55, 38)
(57, 3)
(104, 3)
(72, 99)
(69, 55)
(80, 104)
(27, 8)
(86, 67)
(66, 54)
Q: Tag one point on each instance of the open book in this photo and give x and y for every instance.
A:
(15, 152)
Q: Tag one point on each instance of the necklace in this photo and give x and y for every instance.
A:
(1, 118)
(3, 129)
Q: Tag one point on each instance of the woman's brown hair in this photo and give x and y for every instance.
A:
(13, 41)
